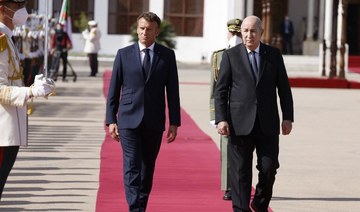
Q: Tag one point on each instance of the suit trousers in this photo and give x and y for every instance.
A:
(7, 159)
(241, 150)
(140, 149)
(93, 62)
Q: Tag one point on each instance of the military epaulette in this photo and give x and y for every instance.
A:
(3, 42)
(220, 50)
(215, 63)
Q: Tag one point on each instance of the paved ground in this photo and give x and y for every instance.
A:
(59, 170)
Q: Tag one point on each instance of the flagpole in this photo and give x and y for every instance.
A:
(46, 48)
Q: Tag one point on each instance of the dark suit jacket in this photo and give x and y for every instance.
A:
(135, 99)
(239, 99)
(290, 29)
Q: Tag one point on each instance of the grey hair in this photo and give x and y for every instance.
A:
(258, 21)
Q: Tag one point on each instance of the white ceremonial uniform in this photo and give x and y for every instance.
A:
(13, 107)
(92, 40)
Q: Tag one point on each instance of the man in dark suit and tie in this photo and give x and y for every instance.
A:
(252, 76)
(135, 111)
(287, 32)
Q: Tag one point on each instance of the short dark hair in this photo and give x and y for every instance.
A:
(150, 17)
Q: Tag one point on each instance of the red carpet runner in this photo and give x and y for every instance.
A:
(187, 175)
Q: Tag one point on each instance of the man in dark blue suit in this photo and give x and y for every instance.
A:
(135, 111)
(252, 76)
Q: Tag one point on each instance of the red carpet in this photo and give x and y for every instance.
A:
(310, 82)
(324, 82)
(187, 176)
(354, 64)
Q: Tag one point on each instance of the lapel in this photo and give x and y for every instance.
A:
(155, 60)
(136, 55)
(246, 61)
(263, 58)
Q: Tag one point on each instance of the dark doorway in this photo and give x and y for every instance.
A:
(352, 29)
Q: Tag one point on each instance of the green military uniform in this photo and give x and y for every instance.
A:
(233, 26)
(215, 65)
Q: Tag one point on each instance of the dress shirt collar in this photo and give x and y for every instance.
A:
(257, 50)
(6, 30)
(142, 47)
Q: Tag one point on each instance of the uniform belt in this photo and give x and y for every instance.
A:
(15, 77)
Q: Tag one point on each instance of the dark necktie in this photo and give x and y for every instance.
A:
(146, 62)
(254, 64)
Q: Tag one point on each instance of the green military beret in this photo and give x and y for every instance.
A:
(234, 25)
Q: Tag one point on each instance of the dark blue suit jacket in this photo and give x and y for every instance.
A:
(135, 99)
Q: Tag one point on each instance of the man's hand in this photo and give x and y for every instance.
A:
(113, 131)
(223, 128)
(286, 127)
(171, 135)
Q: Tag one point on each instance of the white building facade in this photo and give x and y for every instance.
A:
(215, 14)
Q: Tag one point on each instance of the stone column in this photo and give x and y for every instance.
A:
(240, 9)
(321, 19)
(342, 38)
(333, 45)
(250, 8)
(325, 46)
(310, 47)
(310, 20)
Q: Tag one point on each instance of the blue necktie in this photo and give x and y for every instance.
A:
(147, 62)
(254, 64)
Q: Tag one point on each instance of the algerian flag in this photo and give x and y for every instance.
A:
(64, 18)
(64, 12)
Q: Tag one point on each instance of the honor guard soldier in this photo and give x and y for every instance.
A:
(13, 94)
(92, 45)
(234, 38)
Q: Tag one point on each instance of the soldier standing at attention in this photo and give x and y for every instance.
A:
(92, 46)
(13, 93)
(234, 37)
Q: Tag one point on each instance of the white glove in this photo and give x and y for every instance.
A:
(212, 123)
(42, 87)
(41, 79)
(85, 34)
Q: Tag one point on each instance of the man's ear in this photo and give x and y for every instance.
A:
(158, 32)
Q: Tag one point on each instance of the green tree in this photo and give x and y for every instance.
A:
(82, 22)
(165, 37)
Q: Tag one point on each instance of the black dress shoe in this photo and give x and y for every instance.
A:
(255, 208)
(227, 195)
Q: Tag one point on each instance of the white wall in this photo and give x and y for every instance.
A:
(191, 49)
